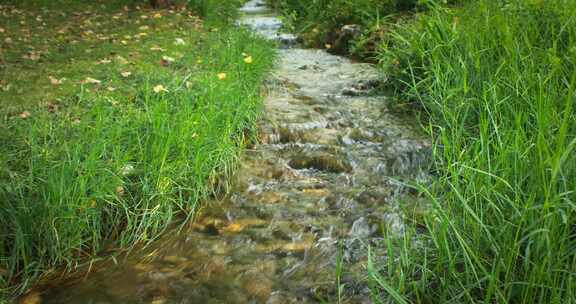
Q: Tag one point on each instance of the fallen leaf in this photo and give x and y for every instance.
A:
(165, 61)
(328, 45)
(179, 41)
(25, 114)
(91, 81)
(144, 28)
(221, 76)
(248, 59)
(111, 89)
(2, 30)
(157, 15)
(122, 60)
(32, 55)
(54, 81)
(157, 49)
(159, 88)
(104, 61)
(126, 74)
(120, 190)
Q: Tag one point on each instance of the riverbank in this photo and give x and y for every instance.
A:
(493, 83)
(113, 120)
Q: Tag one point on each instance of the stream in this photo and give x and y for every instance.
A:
(323, 183)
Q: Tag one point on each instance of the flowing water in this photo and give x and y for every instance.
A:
(322, 185)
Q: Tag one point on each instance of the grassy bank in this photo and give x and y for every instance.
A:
(320, 23)
(112, 120)
(495, 83)
(496, 80)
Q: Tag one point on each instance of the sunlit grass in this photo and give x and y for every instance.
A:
(496, 81)
(117, 122)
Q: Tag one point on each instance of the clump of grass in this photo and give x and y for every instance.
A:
(319, 22)
(136, 127)
(496, 81)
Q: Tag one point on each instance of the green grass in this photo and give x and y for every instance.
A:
(496, 83)
(87, 166)
(319, 22)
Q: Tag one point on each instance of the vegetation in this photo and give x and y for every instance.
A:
(320, 22)
(495, 83)
(113, 119)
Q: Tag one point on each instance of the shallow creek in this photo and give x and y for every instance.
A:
(324, 178)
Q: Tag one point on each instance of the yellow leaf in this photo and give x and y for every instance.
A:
(168, 59)
(159, 88)
(157, 15)
(221, 76)
(248, 59)
(126, 74)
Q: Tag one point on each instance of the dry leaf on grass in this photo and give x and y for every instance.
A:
(55, 81)
(90, 80)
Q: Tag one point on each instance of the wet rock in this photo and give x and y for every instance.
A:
(371, 198)
(346, 35)
(257, 286)
(321, 163)
(361, 88)
(277, 298)
(31, 298)
(158, 300)
(270, 197)
(360, 229)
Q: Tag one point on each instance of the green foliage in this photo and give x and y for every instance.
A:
(319, 21)
(109, 164)
(216, 11)
(497, 81)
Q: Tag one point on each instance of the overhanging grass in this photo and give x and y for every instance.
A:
(319, 22)
(94, 165)
(497, 82)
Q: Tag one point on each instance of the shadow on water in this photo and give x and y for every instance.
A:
(325, 173)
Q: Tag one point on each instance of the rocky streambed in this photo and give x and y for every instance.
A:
(323, 183)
